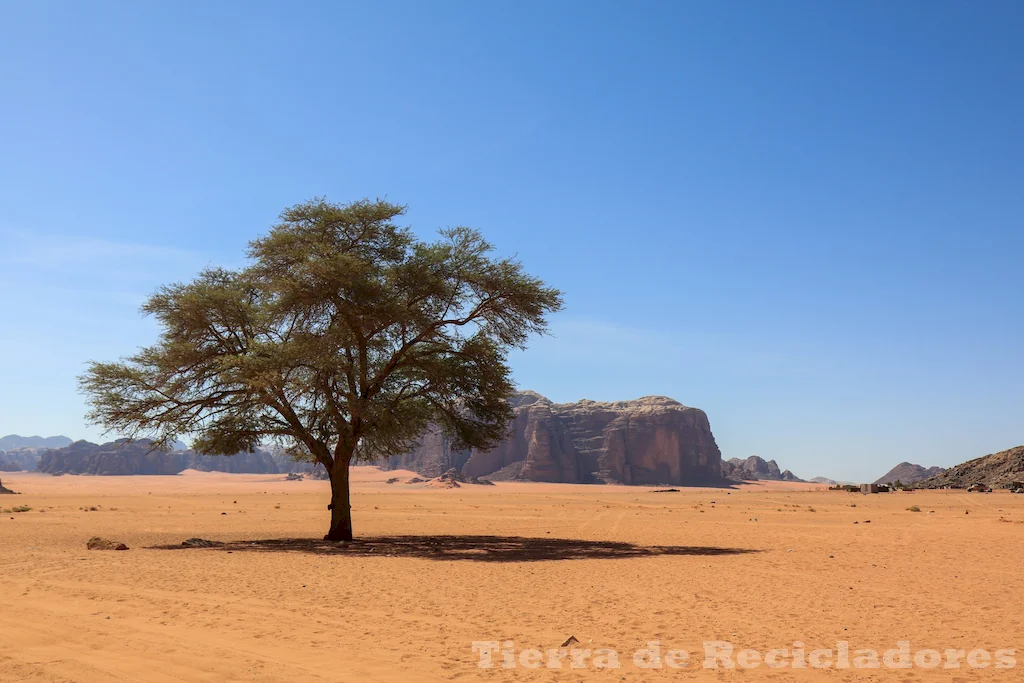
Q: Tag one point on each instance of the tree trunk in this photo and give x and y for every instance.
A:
(341, 508)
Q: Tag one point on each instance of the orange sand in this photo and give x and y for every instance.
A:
(613, 566)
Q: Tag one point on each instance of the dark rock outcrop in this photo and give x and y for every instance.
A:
(652, 440)
(452, 479)
(908, 473)
(127, 458)
(4, 490)
(998, 470)
(200, 543)
(755, 468)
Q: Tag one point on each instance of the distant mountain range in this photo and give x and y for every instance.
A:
(908, 473)
(13, 441)
(121, 457)
(126, 458)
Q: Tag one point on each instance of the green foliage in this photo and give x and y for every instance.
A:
(344, 338)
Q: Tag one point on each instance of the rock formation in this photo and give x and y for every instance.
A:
(998, 470)
(21, 453)
(118, 457)
(755, 469)
(652, 440)
(908, 473)
(126, 458)
(19, 459)
(4, 490)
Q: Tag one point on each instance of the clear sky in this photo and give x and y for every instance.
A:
(806, 218)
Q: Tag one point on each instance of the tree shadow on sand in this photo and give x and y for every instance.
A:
(472, 548)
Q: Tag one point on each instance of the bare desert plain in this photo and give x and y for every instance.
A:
(761, 566)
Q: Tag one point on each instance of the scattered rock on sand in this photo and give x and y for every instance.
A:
(200, 543)
(393, 480)
(571, 640)
(292, 476)
(442, 483)
(453, 479)
(97, 543)
(454, 475)
(415, 480)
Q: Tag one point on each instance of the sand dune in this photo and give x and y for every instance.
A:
(437, 569)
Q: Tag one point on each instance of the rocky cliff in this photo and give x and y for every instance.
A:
(998, 470)
(19, 453)
(124, 458)
(19, 459)
(652, 440)
(908, 473)
(755, 468)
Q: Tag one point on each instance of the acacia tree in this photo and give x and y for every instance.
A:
(344, 338)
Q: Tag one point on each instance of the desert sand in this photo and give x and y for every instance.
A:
(613, 566)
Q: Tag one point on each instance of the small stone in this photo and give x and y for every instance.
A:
(97, 543)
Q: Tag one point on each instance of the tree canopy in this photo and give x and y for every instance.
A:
(344, 338)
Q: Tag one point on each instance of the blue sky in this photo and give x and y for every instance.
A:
(806, 218)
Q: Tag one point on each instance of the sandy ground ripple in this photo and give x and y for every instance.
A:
(761, 566)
